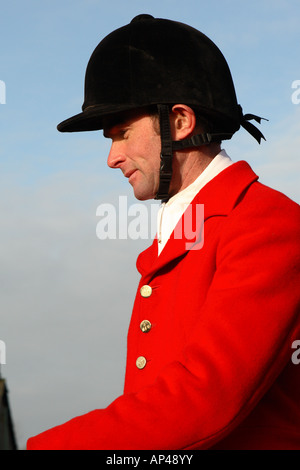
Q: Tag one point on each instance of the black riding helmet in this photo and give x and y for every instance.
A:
(154, 61)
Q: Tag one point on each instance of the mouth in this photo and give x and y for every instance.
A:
(129, 173)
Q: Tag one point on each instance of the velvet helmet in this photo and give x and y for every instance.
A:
(154, 61)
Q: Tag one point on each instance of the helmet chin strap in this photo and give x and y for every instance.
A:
(166, 155)
(168, 146)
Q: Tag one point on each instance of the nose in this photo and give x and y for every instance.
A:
(115, 157)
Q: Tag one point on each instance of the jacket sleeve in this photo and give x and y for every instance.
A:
(240, 345)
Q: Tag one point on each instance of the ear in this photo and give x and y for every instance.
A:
(182, 121)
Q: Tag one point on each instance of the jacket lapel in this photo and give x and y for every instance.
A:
(217, 198)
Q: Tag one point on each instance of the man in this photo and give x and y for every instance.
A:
(216, 313)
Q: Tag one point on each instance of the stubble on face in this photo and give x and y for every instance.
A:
(136, 150)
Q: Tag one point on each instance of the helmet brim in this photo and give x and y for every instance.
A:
(92, 118)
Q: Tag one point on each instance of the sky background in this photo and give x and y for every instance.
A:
(65, 295)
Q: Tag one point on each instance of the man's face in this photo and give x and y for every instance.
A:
(135, 149)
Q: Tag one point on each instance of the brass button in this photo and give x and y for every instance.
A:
(146, 291)
(141, 362)
(145, 326)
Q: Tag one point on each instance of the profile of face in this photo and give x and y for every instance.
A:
(135, 150)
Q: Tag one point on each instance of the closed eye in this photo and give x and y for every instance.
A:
(116, 134)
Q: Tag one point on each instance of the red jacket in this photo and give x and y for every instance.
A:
(215, 368)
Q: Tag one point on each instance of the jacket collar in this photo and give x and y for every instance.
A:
(216, 198)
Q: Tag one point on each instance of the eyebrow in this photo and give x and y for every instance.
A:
(109, 128)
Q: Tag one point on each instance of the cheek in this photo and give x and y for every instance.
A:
(155, 152)
(149, 155)
(153, 162)
(145, 149)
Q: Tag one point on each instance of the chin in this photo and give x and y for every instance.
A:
(142, 195)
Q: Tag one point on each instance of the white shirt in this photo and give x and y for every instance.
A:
(171, 211)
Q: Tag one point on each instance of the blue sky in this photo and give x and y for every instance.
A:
(62, 323)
